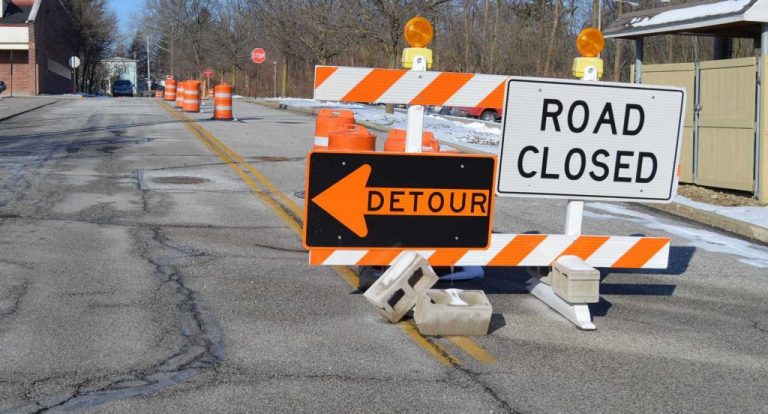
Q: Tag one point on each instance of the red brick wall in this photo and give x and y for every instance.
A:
(23, 80)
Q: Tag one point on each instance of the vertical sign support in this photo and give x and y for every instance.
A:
(415, 128)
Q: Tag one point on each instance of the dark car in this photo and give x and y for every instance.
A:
(122, 88)
(2, 86)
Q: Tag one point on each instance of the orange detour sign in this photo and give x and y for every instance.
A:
(375, 200)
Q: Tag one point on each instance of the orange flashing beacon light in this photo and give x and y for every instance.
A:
(418, 34)
(590, 42)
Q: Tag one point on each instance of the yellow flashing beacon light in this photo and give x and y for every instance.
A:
(590, 42)
(418, 33)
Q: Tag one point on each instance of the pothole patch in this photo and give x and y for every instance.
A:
(180, 179)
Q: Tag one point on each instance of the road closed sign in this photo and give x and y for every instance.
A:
(590, 140)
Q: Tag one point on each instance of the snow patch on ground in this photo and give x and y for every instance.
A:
(750, 254)
(475, 135)
(754, 215)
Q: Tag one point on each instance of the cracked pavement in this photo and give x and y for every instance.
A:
(138, 273)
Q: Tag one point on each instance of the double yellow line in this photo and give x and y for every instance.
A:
(291, 214)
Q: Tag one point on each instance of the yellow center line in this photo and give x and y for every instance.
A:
(472, 349)
(237, 162)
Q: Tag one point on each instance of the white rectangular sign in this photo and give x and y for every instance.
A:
(590, 140)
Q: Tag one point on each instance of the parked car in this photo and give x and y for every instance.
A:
(2, 86)
(486, 114)
(122, 88)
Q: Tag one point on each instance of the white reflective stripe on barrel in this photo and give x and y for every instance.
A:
(222, 108)
(321, 141)
(223, 95)
(191, 101)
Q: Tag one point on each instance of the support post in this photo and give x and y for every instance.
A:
(639, 60)
(415, 128)
(761, 144)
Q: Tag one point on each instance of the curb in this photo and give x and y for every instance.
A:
(708, 218)
(28, 110)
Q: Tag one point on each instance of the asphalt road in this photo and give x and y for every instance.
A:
(143, 268)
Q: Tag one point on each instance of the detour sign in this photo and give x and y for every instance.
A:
(398, 201)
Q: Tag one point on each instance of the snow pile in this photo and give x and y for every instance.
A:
(754, 215)
(476, 135)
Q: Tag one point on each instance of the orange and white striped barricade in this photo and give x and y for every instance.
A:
(192, 96)
(180, 95)
(170, 90)
(222, 102)
(410, 87)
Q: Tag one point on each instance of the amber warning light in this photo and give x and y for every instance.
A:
(590, 42)
(418, 32)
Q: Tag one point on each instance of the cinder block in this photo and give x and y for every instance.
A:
(396, 291)
(453, 312)
(575, 281)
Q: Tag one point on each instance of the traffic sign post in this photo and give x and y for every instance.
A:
(74, 63)
(208, 74)
(375, 200)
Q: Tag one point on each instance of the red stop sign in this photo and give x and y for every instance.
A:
(208, 73)
(258, 55)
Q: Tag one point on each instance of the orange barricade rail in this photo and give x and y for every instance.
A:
(400, 86)
(520, 250)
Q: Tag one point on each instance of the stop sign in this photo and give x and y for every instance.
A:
(258, 55)
(208, 73)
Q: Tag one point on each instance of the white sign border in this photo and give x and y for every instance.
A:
(680, 126)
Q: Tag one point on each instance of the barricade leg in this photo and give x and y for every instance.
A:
(575, 280)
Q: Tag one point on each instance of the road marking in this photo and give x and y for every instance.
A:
(436, 350)
(472, 349)
(283, 207)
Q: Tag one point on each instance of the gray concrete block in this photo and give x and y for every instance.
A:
(575, 281)
(453, 312)
(396, 291)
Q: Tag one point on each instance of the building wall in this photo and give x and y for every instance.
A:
(39, 70)
(53, 34)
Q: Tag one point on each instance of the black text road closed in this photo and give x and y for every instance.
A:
(398, 201)
(590, 140)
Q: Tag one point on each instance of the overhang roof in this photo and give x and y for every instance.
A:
(15, 14)
(728, 18)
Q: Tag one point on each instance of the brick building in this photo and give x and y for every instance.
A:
(35, 45)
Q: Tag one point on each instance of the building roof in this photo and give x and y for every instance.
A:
(15, 14)
(729, 18)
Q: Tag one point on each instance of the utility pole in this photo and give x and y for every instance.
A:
(149, 73)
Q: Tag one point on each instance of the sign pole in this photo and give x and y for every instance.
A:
(415, 128)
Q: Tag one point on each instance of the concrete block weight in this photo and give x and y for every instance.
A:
(396, 291)
(453, 312)
(575, 281)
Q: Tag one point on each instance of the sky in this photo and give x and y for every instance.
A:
(126, 9)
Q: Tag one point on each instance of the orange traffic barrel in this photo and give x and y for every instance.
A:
(180, 95)
(396, 141)
(352, 138)
(330, 120)
(222, 102)
(170, 90)
(192, 96)
(211, 92)
(158, 94)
